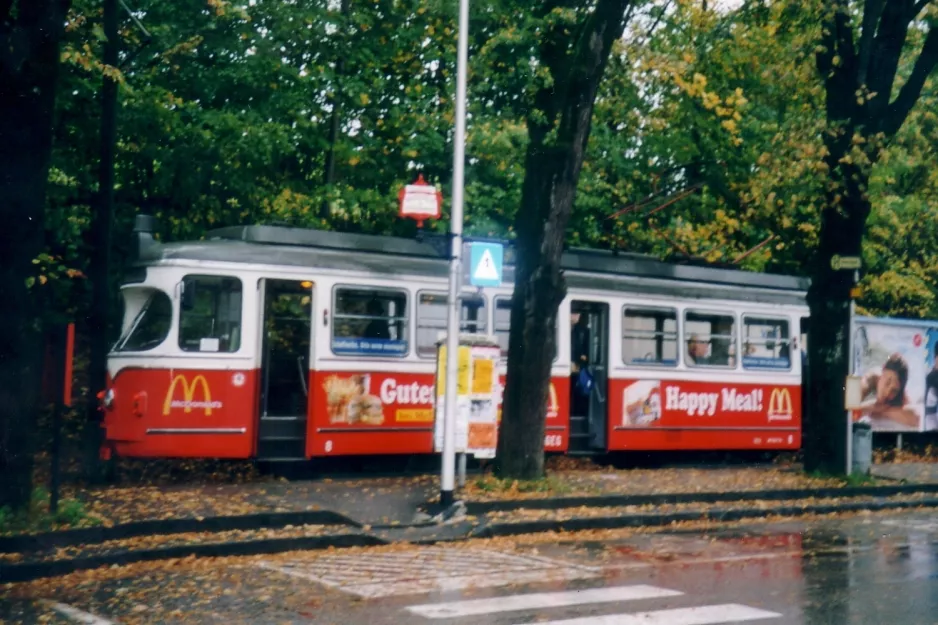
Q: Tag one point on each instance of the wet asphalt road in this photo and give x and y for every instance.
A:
(873, 569)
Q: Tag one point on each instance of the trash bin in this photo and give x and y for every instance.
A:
(862, 448)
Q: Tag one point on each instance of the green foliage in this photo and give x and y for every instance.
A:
(551, 485)
(851, 480)
(224, 119)
(36, 517)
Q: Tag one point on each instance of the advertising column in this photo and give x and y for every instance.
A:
(476, 409)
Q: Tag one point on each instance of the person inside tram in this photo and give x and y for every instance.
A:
(889, 399)
(579, 354)
(377, 328)
(722, 345)
(697, 351)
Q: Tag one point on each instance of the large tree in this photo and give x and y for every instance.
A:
(875, 57)
(575, 41)
(30, 31)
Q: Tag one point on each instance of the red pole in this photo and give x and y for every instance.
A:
(69, 355)
(57, 415)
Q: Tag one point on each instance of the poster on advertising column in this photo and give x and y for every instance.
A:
(476, 407)
(895, 362)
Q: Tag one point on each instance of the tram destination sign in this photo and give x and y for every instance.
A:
(850, 263)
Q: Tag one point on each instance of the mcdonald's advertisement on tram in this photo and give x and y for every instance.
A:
(376, 399)
(171, 405)
(753, 415)
(381, 399)
(363, 412)
(556, 435)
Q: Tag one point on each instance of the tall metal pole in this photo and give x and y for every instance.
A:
(852, 360)
(455, 268)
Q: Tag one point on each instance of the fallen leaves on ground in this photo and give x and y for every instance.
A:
(928, 455)
(173, 540)
(646, 482)
(369, 498)
(234, 585)
(114, 505)
(524, 515)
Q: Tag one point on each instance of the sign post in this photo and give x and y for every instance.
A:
(852, 360)
(420, 201)
(840, 263)
(448, 477)
(486, 262)
(848, 263)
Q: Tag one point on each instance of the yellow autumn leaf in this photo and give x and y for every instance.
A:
(364, 99)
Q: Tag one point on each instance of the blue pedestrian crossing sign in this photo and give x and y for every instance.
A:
(485, 264)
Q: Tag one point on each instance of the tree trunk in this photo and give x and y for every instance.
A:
(546, 203)
(558, 132)
(825, 426)
(29, 51)
(843, 223)
(100, 238)
(22, 174)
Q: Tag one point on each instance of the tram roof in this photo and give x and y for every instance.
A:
(280, 245)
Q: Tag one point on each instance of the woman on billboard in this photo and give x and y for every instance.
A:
(888, 399)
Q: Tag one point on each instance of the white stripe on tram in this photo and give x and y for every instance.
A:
(540, 600)
(703, 615)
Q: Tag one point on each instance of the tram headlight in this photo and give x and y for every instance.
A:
(107, 399)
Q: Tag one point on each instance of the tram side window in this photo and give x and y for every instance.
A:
(766, 343)
(148, 317)
(431, 319)
(503, 324)
(210, 316)
(649, 336)
(711, 339)
(370, 322)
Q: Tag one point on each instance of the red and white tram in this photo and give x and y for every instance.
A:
(281, 343)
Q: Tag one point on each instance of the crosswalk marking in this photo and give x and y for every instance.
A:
(428, 569)
(512, 603)
(77, 615)
(913, 524)
(702, 615)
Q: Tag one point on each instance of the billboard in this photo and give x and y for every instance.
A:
(895, 360)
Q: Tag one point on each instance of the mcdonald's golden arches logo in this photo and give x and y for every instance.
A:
(553, 405)
(780, 407)
(187, 403)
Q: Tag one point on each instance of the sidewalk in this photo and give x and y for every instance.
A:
(909, 472)
(394, 500)
(269, 516)
(369, 500)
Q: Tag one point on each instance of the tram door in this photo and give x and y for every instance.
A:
(590, 336)
(285, 363)
(803, 352)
